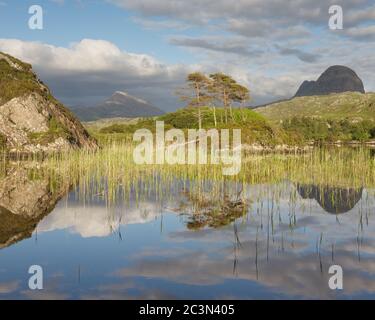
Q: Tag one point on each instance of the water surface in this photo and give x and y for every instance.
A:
(226, 241)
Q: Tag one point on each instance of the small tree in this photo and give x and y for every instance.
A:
(240, 94)
(197, 92)
(223, 85)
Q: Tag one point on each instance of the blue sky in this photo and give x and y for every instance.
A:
(91, 48)
(70, 21)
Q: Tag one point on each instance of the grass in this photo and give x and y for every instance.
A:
(329, 131)
(350, 105)
(255, 128)
(211, 199)
(111, 170)
(55, 130)
(15, 83)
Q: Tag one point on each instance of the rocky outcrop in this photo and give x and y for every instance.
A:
(31, 119)
(26, 197)
(335, 79)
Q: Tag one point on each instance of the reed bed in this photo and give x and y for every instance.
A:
(111, 171)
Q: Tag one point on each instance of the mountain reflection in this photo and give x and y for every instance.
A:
(333, 200)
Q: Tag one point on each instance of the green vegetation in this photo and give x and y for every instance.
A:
(319, 130)
(55, 130)
(218, 87)
(320, 119)
(15, 83)
(25, 66)
(255, 128)
(112, 169)
(350, 106)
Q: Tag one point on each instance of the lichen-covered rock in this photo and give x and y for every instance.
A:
(31, 119)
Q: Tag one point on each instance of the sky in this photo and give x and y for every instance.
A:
(89, 49)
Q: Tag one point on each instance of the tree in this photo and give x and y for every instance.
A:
(223, 85)
(197, 95)
(240, 94)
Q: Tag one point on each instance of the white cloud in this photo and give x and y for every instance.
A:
(91, 70)
(85, 56)
(95, 221)
(95, 68)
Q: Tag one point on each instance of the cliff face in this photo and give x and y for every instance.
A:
(335, 79)
(31, 119)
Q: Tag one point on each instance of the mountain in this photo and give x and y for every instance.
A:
(332, 199)
(351, 105)
(335, 79)
(31, 119)
(119, 105)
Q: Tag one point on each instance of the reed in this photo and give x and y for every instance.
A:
(111, 171)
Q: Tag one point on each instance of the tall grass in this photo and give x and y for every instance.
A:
(112, 169)
(112, 172)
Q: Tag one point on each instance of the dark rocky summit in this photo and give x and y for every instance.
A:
(31, 119)
(332, 200)
(335, 79)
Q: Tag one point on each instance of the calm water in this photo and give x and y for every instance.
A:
(262, 241)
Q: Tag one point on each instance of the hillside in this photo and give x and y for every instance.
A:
(119, 105)
(31, 119)
(255, 128)
(349, 105)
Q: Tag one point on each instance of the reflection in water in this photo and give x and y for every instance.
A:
(25, 199)
(211, 240)
(332, 200)
(213, 209)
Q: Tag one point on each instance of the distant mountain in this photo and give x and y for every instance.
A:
(119, 105)
(350, 105)
(335, 79)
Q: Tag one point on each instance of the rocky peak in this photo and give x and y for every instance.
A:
(335, 79)
(124, 97)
